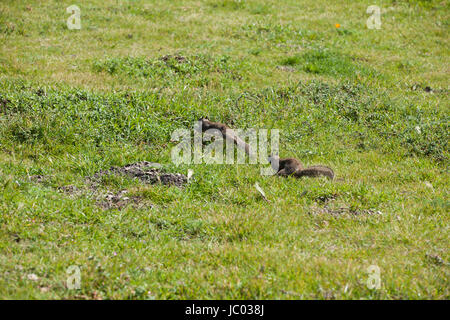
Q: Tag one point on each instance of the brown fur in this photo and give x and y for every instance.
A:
(227, 133)
(287, 166)
(315, 171)
(293, 167)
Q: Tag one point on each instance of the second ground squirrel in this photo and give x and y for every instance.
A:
(293, 167)
(226, 131)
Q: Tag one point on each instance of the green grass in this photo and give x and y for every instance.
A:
(73, 102)
(322, 61)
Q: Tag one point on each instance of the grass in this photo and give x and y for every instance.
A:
(320, 61)
(73, 102)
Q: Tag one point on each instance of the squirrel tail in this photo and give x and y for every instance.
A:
(315, 171)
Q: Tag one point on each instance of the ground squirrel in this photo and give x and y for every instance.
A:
(287, 166)
(226, 131)
(293, 167)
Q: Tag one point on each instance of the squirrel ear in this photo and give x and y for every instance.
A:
(273, 157)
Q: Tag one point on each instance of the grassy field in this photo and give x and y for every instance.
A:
(370, 103)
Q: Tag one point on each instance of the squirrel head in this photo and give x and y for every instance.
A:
(203, 123)
(272, 158)
(274, 161)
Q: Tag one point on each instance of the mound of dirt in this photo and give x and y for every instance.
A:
(147, 172)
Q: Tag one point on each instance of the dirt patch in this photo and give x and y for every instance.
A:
(118, 200)
(416, 86)
(4, 105)
(178, 58)
(40, 92)
(286, 68)
(428, 89)
(342, 210)
(15, 237)
(434, 258)
(38, 178)
(107, 200)
(69, 189)
(147, 172)
(327, 198)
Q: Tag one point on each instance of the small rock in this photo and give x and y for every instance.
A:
(32, 277)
